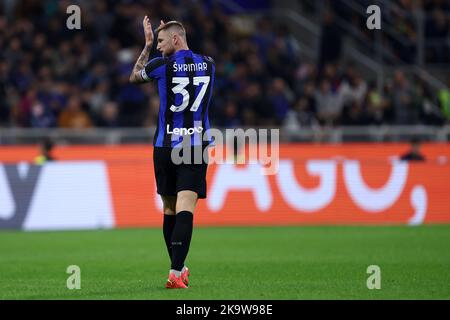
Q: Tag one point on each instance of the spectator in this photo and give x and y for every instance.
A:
(254, 105)
(427, 106)
(45, 152)
(403, 106)
(353, 114)
(230, 116)
(264, 37)
(98, 97)
(444, 100)
(353, 90)
(414, 153)
(73, 116)
(328, 104)
(330, 41)
(280, 96)
(41, 116)
(4, 108)
(376, 106)
(108, 117)
(301, 116)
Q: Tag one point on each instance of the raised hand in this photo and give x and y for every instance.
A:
(148, 31)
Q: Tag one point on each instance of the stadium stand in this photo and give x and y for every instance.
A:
(53, 77)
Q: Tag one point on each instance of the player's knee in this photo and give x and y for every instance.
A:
(169, 211)
(186, 201)
(169, 207)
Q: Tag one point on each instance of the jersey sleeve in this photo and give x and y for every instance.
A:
(153, 69)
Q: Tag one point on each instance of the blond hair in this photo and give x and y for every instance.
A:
(174, 27)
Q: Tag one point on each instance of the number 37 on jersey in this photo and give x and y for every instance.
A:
(180, 88)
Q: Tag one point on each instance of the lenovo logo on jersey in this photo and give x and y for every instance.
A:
(184, 131)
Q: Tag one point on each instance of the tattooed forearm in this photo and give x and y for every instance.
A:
(135, 76)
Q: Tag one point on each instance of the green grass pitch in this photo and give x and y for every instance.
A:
(327, 262)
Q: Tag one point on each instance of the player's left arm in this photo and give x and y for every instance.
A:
(136, 74)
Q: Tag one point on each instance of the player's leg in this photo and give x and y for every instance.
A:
(169, 205)
(176, 280)
(182, 234)
(165, 174)
(191, 186)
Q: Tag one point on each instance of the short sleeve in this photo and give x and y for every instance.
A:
(154, 69)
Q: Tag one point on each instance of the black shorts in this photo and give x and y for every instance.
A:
(172, 178)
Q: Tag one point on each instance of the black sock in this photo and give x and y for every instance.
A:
(181, 238)
(168, 226)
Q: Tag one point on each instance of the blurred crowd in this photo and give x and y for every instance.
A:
(51, 76)
(402, 26)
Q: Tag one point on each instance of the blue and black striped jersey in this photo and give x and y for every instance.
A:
(185, 85)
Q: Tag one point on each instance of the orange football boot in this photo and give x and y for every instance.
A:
(175, 283)
(185, 276)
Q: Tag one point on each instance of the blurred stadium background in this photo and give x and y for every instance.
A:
(347, 100)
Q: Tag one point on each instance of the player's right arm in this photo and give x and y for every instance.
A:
(136, 74)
